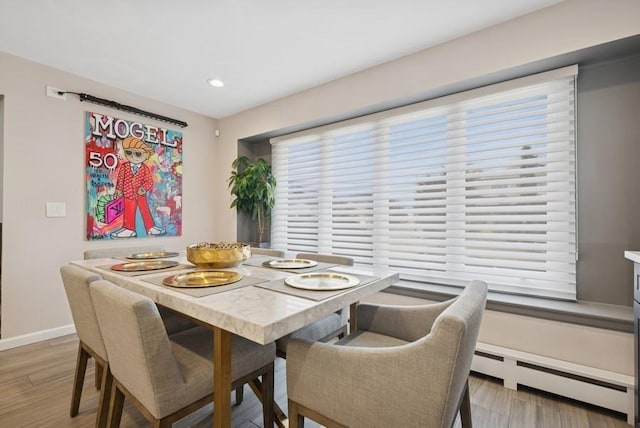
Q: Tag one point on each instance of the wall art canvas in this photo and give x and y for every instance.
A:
(134, 179)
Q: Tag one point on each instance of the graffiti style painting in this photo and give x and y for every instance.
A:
(134, 179)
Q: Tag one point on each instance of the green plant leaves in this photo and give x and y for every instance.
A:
(253, 184)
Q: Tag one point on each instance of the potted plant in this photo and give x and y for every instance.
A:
(252, 186)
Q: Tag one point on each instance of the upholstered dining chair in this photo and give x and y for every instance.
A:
(327, 328)
(167, 378)
(326, 258)
(405, 366)
(76, 285)
(173, 322)
(267, 252)
(98, 253)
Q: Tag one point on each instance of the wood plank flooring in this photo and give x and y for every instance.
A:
(36, 381)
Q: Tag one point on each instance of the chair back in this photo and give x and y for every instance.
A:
(456, 332)
(326, 258)
(267, 252)
(172, 322)
(139, 350)
(76, 285)
(121, 251)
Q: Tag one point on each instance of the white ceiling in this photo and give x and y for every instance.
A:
(262, 49)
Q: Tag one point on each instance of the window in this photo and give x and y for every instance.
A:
(476, 185)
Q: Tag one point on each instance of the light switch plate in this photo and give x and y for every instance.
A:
(56, 209)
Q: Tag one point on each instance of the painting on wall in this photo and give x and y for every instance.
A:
(134, 179)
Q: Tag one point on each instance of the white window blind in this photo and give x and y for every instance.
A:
(476, 185)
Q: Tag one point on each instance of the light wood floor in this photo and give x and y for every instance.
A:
(36, 380)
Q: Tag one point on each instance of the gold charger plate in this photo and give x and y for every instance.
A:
(322, 281)
(202, 278)
(152, 255)
(144, 265)
(290, 263)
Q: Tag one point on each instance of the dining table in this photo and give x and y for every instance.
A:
(262, 306)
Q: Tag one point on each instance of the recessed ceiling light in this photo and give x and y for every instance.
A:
(216, 83)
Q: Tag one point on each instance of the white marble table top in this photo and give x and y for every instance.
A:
(253, 312)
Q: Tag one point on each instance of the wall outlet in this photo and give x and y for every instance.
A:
(55, 93)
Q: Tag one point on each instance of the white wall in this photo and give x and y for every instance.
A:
(44, 161)
(560, 29)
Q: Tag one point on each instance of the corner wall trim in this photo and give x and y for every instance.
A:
(38, 336)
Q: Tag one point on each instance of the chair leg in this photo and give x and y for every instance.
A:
(465, 407)
(279, 415)
(239, 394)
(105, 397)
(98, 380)
(115, 407)
(78, 380)
(268, 397)
(296, 420)
(343, 332)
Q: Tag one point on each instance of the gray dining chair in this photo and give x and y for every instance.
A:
(326, 258)
(327, 328)
(173, 322)
(99, 253)
(76, 285)
(363, 379)
(267, 252)
(168, 377)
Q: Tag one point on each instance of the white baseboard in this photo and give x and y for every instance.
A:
(38, 336)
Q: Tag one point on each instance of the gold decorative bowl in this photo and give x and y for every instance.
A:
(211, 255)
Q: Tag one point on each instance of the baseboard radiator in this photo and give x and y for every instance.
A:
(601, 388)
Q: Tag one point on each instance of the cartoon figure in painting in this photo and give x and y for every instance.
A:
(133, 182)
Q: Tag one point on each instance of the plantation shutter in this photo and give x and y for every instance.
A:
(476, 185)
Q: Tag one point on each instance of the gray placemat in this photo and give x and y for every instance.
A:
(258, 260)
(207, 291)
(281, 287)
(180, 266)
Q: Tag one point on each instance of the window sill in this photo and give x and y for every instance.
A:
(599, 315)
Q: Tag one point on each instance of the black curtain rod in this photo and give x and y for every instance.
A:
(123, 107)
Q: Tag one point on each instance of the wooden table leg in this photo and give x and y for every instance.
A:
(353, 319)
(221, 378)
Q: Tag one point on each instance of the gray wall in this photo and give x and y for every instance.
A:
(608, 178)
